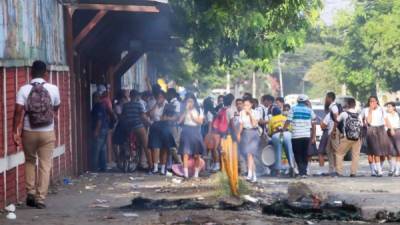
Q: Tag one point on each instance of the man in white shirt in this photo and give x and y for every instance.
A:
(334, 134)
(34, 131)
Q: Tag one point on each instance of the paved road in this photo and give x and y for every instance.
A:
(98, 198)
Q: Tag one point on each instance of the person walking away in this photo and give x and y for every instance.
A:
(35, 109)
(281, 137)
(118, 138)
(248, 138)
(100, 126)
(236, 130)
(173, 98)
(394, 135)
(162, 136)
(333, 130)
(191, 141)
(134, 119)
(154, 139)
(378, 143)
(303, 132)
(352, 138)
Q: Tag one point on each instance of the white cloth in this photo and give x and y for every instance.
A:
(394, 120)
(344, 115)
(188, 118)
(244, 119)
(209, 117)
(328, 117)
(378, 116)
(22, 98)
(177, 105)
(158, 112)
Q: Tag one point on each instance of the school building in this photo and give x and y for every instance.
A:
(84, 42)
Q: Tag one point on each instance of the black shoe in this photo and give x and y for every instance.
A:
(353, 175)
(335, 174)
(390, 174)
(40, 205)
(30, 200)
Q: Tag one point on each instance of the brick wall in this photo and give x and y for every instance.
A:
(12, 185)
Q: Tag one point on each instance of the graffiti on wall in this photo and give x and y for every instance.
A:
(31, 30)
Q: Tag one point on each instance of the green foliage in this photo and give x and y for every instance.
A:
(223, 34)
(369, 47)
(322, 78)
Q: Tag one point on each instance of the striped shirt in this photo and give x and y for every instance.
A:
(132, 114)
(300, 117)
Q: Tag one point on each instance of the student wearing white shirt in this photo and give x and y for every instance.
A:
(377, 140)
(34, 131)
(154, 132)
(394, 135)
(191, 141)
(248, 137)
(351, 140)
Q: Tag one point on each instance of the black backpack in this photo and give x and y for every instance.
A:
(341, 123)
(353, 127)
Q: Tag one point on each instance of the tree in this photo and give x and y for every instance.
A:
(219, 30)
(322, 78)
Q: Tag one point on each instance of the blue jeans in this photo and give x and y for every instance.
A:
(100, 151)
(287, 143)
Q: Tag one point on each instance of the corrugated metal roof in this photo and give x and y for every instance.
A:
(31, 30)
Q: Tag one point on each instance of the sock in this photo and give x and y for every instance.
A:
(155, 169)
(186, 172)
(249, 174)
(254, 175)
(381, 163)
(392, 164)
(217, 166)
(379, 168)
(196, 172)
(398, 168)
(373, 168)
(162, 168)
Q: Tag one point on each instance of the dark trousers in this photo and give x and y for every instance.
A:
(300, 147)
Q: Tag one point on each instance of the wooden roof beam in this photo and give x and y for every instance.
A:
(113, 7)
(89, 27)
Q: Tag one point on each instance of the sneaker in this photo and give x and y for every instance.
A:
(248, 178)
(353, 175)
(40, 205)
(390, 174)
(303, 176)
(30, 200)
(216, 168)
(253, 180)
(379, 175)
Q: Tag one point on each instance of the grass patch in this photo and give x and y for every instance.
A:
(222, 185)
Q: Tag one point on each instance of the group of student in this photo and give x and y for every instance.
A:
(170, 130)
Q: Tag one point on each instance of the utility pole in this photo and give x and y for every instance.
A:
(228, 82)
(254, 85)
(280, 75)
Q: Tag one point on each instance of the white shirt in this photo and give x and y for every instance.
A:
(328, 117)
(188, 119)
(177, 105)
(344, 115)
(244, 119)
(394, 120)
(378, 116)
(22, 98)
(158, 112)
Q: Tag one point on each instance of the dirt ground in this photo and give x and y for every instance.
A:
(102, 199)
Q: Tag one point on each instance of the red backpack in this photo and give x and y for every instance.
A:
(220, 123)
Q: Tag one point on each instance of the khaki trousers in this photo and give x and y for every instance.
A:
(344, 147)
(331, 149)
(38, 145)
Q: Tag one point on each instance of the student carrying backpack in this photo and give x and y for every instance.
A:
(352, 128)
(221, 122)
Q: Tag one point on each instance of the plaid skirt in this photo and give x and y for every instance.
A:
(191, 141)
(395, 142)
(378, 142)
